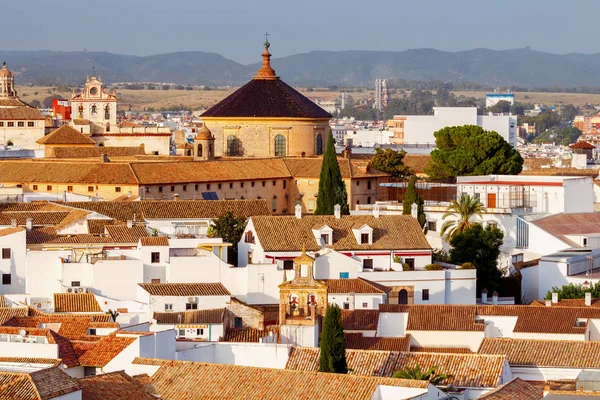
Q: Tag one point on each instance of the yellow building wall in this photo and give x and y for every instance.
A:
(106, 192)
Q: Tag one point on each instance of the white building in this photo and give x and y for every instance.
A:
(492, 98)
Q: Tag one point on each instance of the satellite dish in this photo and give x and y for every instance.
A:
(23, 332)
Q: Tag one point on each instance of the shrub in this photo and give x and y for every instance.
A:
(467, 265)
(405, 267)
(433, 267)
(398, 259)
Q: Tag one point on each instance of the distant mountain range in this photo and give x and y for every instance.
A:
(517, 67)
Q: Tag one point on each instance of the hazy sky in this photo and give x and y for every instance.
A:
(234, 28)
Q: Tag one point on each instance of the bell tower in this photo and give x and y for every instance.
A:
(204, 145)
(7, 82)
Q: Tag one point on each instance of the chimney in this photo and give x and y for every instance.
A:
(376, 211)
(129, 223)
(484, 296)
(298, 211)
(337, 211)
(29, 224)
(554, 298)
(13, 222)
(495, 298)
(588, 299)
(548, 303)
(414, 210)
(176, 196)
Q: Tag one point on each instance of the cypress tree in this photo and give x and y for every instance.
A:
(412, 196)
(332, 189)
(333, 347)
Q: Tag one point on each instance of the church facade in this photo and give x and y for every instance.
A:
(267, 118)
(95, 105)
(21, 125)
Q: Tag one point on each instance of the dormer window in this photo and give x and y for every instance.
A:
(249, 238)
(323, 235)
(363, 234)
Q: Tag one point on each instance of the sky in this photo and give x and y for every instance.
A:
(235, 28)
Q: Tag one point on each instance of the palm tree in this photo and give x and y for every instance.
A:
(462, 210)
(418, 374)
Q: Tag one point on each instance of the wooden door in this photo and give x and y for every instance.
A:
(491, 200)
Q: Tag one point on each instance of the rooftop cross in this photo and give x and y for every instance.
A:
(267, 44)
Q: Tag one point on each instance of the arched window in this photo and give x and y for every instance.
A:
(249, 237)
(107, 112)
(232, 146)
(10, 143)
(319, 144)
(189, 152)
(199, 153)
(210, 150)
(100, 144)
(403, 297)
(94, 109)
(280, 146)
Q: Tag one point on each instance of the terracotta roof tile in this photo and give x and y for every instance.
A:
(23, 171)
(112, 386)
(3, 303)
(123, 234)
(468, 370)
(105, 350)
(545, 353)
(97, 226)
(43, 384)
(417, 162)
(214, 316)
(21, 113)
(360, 320)
(76, 302)
(154, 241)
(180, 380)
(567, 303)
(288, 233)
(437, 317)
(53, 362)
(311, 168)
(582, 144)
(248, 335)
(6, 313)
(95, 151)
(457, 350)
(357, 341)
(66, 135)
(185, 289)
(81, 122)
(358, 285)
(10, 231)
(48, 218)
(517, 389)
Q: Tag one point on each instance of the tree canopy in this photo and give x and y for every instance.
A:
(469, 150)
(230, 228)
(480, 246)
(500, 107)
(419, 374)
(332, 189)
(574, 291)
(412, 196)
(333, 346)
(391, 162)
(461, 211)
(563, 136)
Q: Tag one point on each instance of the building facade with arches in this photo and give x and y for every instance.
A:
(267, 118)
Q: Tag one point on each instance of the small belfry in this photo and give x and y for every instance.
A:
(204, 143)
(7, 82)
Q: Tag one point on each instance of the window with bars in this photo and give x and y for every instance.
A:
(319, 141)
(280, 147)
(232, 146)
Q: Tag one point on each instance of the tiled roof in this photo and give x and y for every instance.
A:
(360, 320)
(457, 350)
(154, 241)
(52, 362)
(169, 209)
(468, 370)
(3, 302)
(247, 335)
(10, 231)
(567, 303)
(311, 168)
(81, 121)
(96, 226)
(582, 144)
(153, 173)
(20, 113)
(38, 217)
(48, 235)
(271, 98)
(358, 285)
(437, 317)
(33, 312)
(288, 233)
(66, 135)
(112, 386)
(6, 313)
(545, 353)
(123, 234)
(517, 389)
(105, 350)
(76, 302)
(73, 217)
(95, 151)
(417, 162)
(24, 171)
(44, 384)
(357, 341)
(185, 289)
(561, 225)
(183, 380)
(214, 316)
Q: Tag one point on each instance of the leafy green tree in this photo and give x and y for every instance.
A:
(418, 374)
(229, 228)
(390, 161)
(333, 346)
(562, 136)
(574, 291)
(469, 150)
(480, 246)
(462, 211)
(568, 112)
(502, 106)
(332, 189)
(412, 196)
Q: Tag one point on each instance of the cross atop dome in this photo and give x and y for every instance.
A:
(266, 71)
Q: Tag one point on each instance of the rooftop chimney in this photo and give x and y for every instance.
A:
(554, 298)
(298, 211)
(29, 224)
(414, 210)
(484, 296)
(13, 222)
(337, 211)
(548, 303)
(129, 223)
(495, 298)
(376, 211)
(588, 299)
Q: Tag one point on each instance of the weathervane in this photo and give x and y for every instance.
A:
(267, 44)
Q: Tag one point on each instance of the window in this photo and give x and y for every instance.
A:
(155, 280)
(231, 186)
(311, 205)
(249, 237)
(20, 124)
(196, 186)
(238, 323)
(346, 305)
(184, 188)
(368, 185)
(34, 187)
(241, 184)
(6, 279)
(274, 183)
(30, 124)
(264, 183)
(199, 332)
(232, 146)
(284, 184)
(325, 238)
(274, 205)
(6, 254)
(181, 332)
(49, 187)
(155, 257)
(172, 188)
(431, 226)
(199, 153)
(411, 263)
(75, 283)
(92, 331)
(94, 109)
(368, 200)
(1, 124)
(364, 238)
(11, 124)
(585, 242)
(90, 188)
(365, 305)
(357, 183)
(280, 146)
(319, 141)
(288, 265)
(207, 186)
(344, 275)
(219, 186)
(168, 307)
(191, 306)
(69, 188)
(117, 189)
(425, 295)
(368, 263)
(252, 184)
(160, 189)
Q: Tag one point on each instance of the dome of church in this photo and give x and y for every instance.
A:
(5, 72)
(203, 134)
